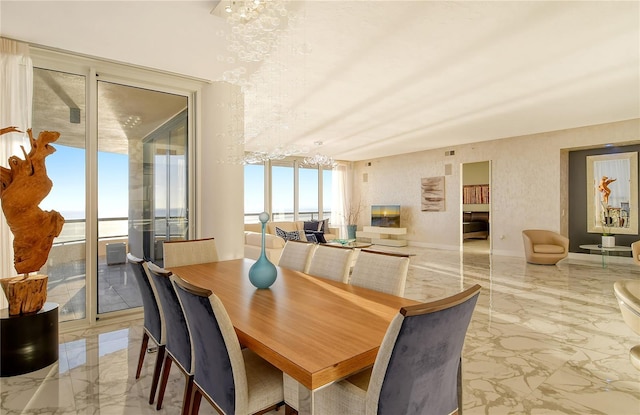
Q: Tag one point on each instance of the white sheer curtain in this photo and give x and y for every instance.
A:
(340, 194)
(16, 93)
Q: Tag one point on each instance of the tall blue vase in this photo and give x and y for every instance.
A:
(263, 273)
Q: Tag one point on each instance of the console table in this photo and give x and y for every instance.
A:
(384, 236)
(604, 251)
(28, 342)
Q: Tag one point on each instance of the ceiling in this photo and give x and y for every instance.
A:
(377, 78)
(388, 77)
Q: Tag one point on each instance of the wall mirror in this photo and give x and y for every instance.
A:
(612, 193)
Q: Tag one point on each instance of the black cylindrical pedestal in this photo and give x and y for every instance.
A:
(28, 342)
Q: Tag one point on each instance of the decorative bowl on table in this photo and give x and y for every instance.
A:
(343, 242)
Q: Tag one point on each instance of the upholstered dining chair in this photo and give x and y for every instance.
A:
(417, 369)
(297, 255)
(544, 247)
(381, 271)
(153, 323)
(233, 380)
(332, 262)
(635, 252)
(194, 251)
(178, 348)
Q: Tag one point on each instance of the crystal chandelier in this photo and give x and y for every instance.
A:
(319, 160)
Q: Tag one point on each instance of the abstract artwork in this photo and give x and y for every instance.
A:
(432, 194)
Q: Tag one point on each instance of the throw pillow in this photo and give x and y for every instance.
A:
(313, 225)
(311, 237)
(324, 226)
(288, 236)
(317, 235)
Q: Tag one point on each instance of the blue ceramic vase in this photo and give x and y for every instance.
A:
(263, 273)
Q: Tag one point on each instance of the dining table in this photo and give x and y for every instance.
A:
(316, 330)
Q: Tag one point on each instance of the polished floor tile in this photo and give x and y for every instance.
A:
(543, 340)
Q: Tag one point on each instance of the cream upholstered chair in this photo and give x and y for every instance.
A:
(194, 251)
(544, 247)
(418, 366)
(332, 262)
(381, 271)
(635, 252)
(297, 255)
(233, 380)
(628, 294)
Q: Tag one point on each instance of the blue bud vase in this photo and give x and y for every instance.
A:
(263, 273)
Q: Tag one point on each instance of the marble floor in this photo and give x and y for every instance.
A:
(543, 340)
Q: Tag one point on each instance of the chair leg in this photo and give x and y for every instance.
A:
(156, 373)
(163, 381)
(289, 410)
(188, 389)
(143, 351)
(195, 401)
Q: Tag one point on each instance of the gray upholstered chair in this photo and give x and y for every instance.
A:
(635, 252)
(544, 247)
(233, 380)
(331, 262)
(194, 251)
(381, 271)
(627, 293)
(178, 348)
(153, 324)
(417, 369)
(297, 255)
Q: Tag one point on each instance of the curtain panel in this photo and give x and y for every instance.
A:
(16, 96)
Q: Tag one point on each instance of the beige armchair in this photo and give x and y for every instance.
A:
(635, 252)
(544, 247)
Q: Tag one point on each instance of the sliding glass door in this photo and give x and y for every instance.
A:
(120, 173)
(142, 184)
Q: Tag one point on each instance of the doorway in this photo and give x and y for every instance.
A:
(476, 207)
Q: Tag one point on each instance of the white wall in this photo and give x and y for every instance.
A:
(526, 184)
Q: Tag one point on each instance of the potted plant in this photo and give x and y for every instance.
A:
(352, 214)
(608, 239)
(22, 187)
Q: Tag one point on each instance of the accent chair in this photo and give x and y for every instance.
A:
(627, 293)
(544, 247)
(635, 252)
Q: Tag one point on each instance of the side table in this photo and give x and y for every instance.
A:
(28, 342)
(604, 251)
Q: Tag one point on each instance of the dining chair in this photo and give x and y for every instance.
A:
(297, 255)
(332, 262)
(194, 251)
(381, 271)
(153, 324)
(418, 366)
(233, 380)
(178, 347)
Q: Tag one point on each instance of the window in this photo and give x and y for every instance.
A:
(293, 191)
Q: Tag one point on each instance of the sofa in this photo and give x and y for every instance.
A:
(274, 244)
(475, 225)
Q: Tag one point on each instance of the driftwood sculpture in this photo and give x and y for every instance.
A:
(22, 187)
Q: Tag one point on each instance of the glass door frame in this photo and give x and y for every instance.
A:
(94, 69)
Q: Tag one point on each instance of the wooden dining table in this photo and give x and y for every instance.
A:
(316, 330)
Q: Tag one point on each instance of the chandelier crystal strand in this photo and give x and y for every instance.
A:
(263, 31)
